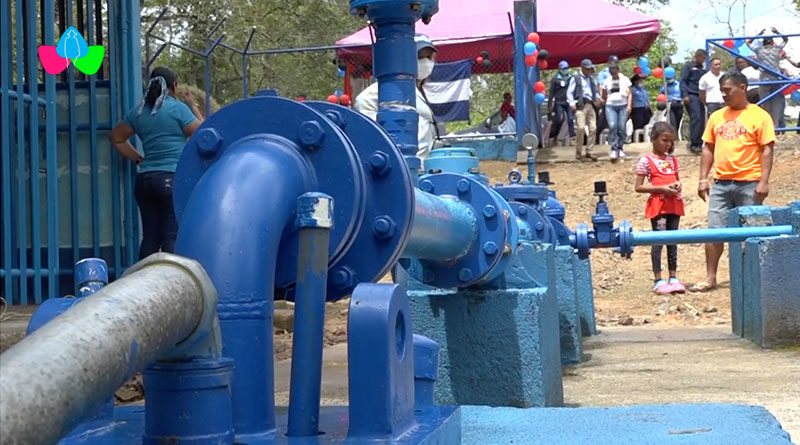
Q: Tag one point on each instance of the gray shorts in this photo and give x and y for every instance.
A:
(726, 195)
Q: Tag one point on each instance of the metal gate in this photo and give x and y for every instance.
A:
(65, 193)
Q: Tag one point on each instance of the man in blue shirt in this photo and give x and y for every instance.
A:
(557, 101)
(583, 97)
(690, 80)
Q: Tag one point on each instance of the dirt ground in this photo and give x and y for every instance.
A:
(622, 287)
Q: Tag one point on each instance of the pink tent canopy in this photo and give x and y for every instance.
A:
(569, 29)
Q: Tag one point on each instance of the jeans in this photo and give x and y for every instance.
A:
(617, 116)
(665, 222)
(153, 192)
(697, 120)
(562, 112)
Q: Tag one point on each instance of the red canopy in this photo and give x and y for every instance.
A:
(570, 30)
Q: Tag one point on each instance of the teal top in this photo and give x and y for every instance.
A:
(161, 134)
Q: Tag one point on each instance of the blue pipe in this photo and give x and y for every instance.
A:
(443, 229)
(394, 58)
(689, 236)
(245, 225)
(314, 218)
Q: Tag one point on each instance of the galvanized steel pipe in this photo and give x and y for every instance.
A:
(443, 229)
(64, 371)
(717, 235)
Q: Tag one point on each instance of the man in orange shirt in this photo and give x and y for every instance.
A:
(738, 142)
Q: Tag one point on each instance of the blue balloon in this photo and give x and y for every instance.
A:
(338, 93)
(529, 48)
(644, 62)
(796, 96)
(738, 42)
(669, 72)
(342, 72)
(645, 71)
(539, 98)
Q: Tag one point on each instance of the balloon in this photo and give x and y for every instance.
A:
(344, 100)
(658, 72)
(342, 72)
(661, 106)
(479, 60)
(529, 48)
(796, 95)
(530, 60)
(542, 64)
(637, 70)
(535, 55)
(539, 87)
(485, 54)
(338, 93)
(738, 42)
(333, 99)
(728, 43)
(539, 98)
(368, 75)
(533, 37)
(669, 72)
(487, 63)
(644, 62)
(646, 71)
(544, 54)
(661, 97)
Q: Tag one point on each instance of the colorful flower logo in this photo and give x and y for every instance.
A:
(71, 47)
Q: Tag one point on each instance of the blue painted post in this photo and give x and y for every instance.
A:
(22, 194)
(314, 219)
(5, 148)
(95, 192)
(52, 164)
(73, 155)
(33, 144)
(114, 112)
(426, 371)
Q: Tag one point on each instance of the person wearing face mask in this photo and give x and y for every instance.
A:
(367, 102)
(557, 101)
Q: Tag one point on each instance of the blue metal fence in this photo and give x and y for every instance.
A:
(65, 193)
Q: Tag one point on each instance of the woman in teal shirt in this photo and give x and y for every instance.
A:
(163, 124)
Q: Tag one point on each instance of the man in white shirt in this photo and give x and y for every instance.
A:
(710, 92)
(753, 75)
(367, 101)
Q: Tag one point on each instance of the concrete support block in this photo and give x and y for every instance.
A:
(567, 297)
(772, 291)
(499, 347)
(582, 270)
(754, 216)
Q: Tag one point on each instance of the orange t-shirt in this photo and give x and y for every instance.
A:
(737, 137)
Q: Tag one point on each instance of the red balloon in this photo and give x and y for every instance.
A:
(533, 37)
(530, 60)
(344, 100)
(542, 64)
(539, 87)
(479, 60)
(662, 97)
(536, 54)
(658, 72)
(333, 99)
(367, 75)
(637, 70)
(728, 43)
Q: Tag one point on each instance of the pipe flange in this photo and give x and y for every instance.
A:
(541, 228)
(386, 222)
(334, 166)
(582, 241)
(512, 238)
(524, 193)
(625, 239)
(207, 332)
(491, 234)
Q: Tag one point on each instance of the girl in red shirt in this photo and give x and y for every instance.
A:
(665, 205)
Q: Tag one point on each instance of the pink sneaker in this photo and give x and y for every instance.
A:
(663, 289)
(676, 287)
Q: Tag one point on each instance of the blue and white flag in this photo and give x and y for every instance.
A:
(449, 90)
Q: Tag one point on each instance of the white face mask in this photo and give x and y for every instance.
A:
(424, 68)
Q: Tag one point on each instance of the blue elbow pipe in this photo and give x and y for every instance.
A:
(243, 222)
(719, 235)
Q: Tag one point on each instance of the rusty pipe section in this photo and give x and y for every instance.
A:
(63, 372)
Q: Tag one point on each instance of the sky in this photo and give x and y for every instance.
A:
(694, 20)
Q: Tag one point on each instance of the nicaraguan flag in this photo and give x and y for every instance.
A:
(449, 89)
